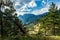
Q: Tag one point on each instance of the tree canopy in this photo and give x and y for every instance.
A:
(10, 24)
(51, 22)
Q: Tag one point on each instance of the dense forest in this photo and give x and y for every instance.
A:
(45, 28)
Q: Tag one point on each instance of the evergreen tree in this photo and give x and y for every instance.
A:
(9, 22)
(51, 22)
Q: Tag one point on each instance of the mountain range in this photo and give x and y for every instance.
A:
(29, 18)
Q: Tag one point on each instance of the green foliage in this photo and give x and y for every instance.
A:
(51, 22)
(48, 25)
(10, 25)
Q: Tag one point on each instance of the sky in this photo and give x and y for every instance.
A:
(35, 7)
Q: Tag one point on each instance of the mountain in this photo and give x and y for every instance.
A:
(28, 18)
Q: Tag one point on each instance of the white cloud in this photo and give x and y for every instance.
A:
(17, 3)
(32, 4)
(22, 13)
(36, 12)
(58, 6)
(25, 7)
(43, 2)
(41, 11)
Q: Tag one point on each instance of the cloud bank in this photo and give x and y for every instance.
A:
(31, 7)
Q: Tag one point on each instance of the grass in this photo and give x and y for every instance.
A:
(52, 37)
(33, 37)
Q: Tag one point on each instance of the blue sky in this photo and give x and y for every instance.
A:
(35, 7)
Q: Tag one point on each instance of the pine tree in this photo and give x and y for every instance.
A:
(9, 23)
(51, 22)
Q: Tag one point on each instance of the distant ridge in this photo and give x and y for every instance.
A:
(28, 18)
